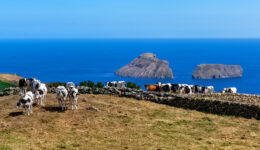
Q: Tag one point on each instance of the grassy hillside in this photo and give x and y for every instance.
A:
(11, 78)
(4, 85)
(122, 123)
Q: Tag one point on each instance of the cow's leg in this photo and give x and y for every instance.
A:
(59, 102)
(72, 103)
(42, 100)
(76, 104)
(31, 109)
(62, 105)
(45, 98)
(28, 110)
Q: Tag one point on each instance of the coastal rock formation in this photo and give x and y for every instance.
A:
(146, 66)
(212, 71)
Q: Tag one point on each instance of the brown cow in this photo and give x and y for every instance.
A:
(154, 87)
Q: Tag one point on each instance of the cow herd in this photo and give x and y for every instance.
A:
(38, 92)
(185, 88)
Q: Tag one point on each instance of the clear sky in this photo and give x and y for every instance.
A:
(130, 19)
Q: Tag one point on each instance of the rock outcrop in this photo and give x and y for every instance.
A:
(146, 66)
(213, 71)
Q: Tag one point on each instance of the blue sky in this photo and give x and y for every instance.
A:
(130, 19)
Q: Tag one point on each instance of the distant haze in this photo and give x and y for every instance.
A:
(130, 19)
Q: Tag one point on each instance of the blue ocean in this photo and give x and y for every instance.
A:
(53, 60)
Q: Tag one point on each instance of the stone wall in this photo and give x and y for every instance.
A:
(10, 91)
(214, 106)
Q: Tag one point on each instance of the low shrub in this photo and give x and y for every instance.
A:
(132, 85)
(4, 85)
(99, 85)
(91, 84)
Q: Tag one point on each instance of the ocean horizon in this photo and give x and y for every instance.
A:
(64, 60)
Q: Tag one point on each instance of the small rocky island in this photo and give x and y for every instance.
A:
(146, 66)
(213, 71)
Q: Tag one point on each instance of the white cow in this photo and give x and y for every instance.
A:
(70, 85)
(61, 95)
(26, 102)
(73, 96)
(182, 88)
(34, 84)
(121, 84)
(208, 89)
(116, 84)
(40, 94)
(230, 90)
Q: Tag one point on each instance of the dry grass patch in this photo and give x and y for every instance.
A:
(121, 123)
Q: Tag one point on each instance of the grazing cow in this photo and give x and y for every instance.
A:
(121, 84)
(40, 94)
(208, 90)
(70, 85)
(188, 89)
(197, 89)
(116, 84)
(164, 87)
(155, 87)
(34, 84)
(175, 88)
(61, 95)
(230, 90)
(73, 96)
(26, 102)
(183, 88)
(23, 85)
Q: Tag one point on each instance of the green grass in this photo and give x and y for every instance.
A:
(4, 85)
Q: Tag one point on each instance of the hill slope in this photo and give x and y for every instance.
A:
(11, 78)
(121, 123)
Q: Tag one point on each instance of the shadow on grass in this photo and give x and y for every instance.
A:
(14, 114)
(53, 109)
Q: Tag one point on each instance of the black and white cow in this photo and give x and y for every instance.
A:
(23, 85)
(116, 84)
(208, 90)
(183, 88)
(73, 96)
(69, 86)
(175, 88)
(230, 90)
(197, 89)
(26, 102)
(165, 87)
(61, 95)
(188, 89)
(40, 94)
(34, 84)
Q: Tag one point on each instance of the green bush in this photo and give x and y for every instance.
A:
(55, 84)
(132, 85)
(91, 84)
(4, 85)
(99, 85)
(83, 83)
